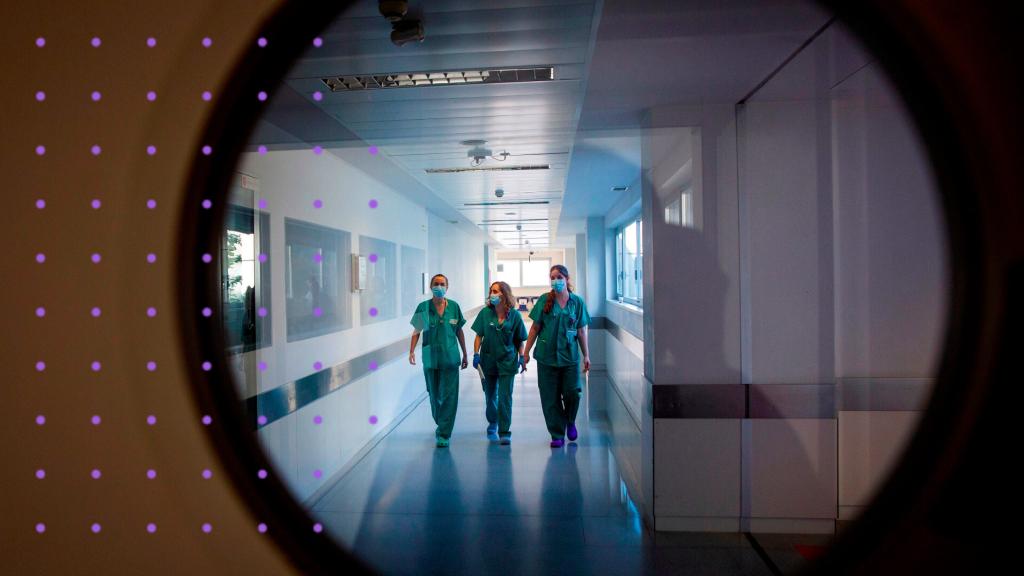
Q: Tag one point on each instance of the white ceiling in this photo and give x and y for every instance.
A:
(644, 53)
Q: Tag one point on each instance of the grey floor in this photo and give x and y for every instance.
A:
(480, 508)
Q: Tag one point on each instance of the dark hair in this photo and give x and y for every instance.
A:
(551, 295)
(506, 295)
(446, 282)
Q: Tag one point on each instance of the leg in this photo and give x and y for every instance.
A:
(491, 400)
(571, 391)
(448, 401)
(550, 400)
(433, 378)
(505, 384)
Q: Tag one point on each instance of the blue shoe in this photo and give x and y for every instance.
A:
(506, 440)
(557, 443)
(492, 429)
(571, 432)
(442, 442)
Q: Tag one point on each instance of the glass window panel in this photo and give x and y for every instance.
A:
(317, 279)
(537, 272)
(245, 281)
(381, 293)
(508, 271)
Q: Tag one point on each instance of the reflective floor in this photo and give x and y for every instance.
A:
(480, 508)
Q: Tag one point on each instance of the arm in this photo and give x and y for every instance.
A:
(412, 347)
(585, 347)
(476, 344)
(462, 343)
(534, 330)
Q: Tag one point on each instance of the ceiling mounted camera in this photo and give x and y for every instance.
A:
(405, 31)
(393, 10)
(499, 192)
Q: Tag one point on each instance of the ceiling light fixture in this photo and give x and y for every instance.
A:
(437, 78)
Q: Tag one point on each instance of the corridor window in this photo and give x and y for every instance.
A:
(245, 281)
(629, 263)
(378, 302)
(317, 279)
(508, 271)
(536, 272)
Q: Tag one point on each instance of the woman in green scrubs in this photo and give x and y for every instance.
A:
(500, 334)
(440, 320)
(560, 322)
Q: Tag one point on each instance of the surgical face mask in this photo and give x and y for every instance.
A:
(558, 285)
(495, 299)
(439, 291)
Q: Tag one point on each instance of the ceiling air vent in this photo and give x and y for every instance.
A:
(486, 169)
(522, 203)
(620, 188)
(413, 79)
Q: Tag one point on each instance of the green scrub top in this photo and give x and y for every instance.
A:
(498, 351)
(439, 343)
(556, 342)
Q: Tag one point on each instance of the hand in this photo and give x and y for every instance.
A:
(522, 364)
(586, 363)
(465, 362)
(412, 358)
(476, 361)
(526, 359)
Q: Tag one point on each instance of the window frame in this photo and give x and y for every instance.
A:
(620, 256)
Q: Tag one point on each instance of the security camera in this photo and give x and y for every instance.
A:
(519, 226)
(393, 10)
(499, 192)
(405, 31)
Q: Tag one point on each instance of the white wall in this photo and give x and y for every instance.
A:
(290, 181)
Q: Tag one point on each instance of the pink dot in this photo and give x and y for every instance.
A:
(207, 258)
(261, 312)
(207, 312)
(318, 95)
(207, 150)
(318, 473)
(261, 474)
(40, 473)
(96, 258)
(373, 311)
(151, 312)
(40, 257)
(207, 420)
(151, 528)
(261, 96)
(40, 150)
(96, 420)
(262, 150)
(373, 257)
(261, 420)
(318, 365)
(318, 257)
(318, 528)
(151, 150)
(40, 420)
(263, 206)
(373, 419)
(96, 528)
(96, 150)
(206, 204)
(318, 42)
(151, 474)
(151, 366)
(151, 420)
(96, 96)
(207, 42)
(318, 203)
(262, 42)
(95, 311)
(318, 419)
(151, 42)
(373, 150)
(318, 311)
(40, 42)
(151, 258)
(207, 95)
(318, 150)
(40, 366)
(207, 528)
(40, 528)
(262, 366)
(40, 312)
(263, 258)
(40, 204)
(96, 474)
(151, 96)
(96, 204)
(207, 474)
(151, 204)
(261, 528)
(96, 42)
(207, 366)
(96, 366)
(373, 204)
(373, 365)
(40, 96)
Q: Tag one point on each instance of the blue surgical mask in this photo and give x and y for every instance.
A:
(558, 285)
(439, 291)
(495, 299)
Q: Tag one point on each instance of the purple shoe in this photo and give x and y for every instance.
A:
(570, 431)
(557, 443)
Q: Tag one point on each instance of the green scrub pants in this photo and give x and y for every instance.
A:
(498, 401)
(560, 394)
(443, 388)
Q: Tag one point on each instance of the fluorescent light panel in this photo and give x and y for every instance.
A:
(487, 169)
(414, 79)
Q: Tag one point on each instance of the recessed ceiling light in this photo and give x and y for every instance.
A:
(407, 79)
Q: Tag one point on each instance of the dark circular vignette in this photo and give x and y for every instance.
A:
(920, 520)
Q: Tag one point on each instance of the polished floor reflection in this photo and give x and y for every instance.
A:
(480, 508)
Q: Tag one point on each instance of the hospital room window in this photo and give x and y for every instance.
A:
(629, 263)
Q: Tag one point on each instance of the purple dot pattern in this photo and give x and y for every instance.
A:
(207, 528)
(96, 96)
(372, 365)
(151, 474)
(207, 366)
(207, 95)
(151, 312)
(261, 528)
(373, 419)
(261, 96)
(207, 150)
(263, 206)
(151, 42)
(151, 204)
(151, 528)
(318, 474)
(207, 42)
(318, 311)
(40, 150)
(262, 152)
(263, 258)
(96, 474)
(151, 420)
(151, 150)
(207, 474)
(207, 312)
(40, 96)
(318, 42)
(40, 42)
(150, 257)
(40, 204)
(373, 150)
(318, 528)
(40, 257)
(373, 257)
(96, 366)
(96, 312)
(40, 474)
(318, 203)
(96, 420)
(40, 366)
(262, 474)
(262, 420)
(40, 527)
(318, 150)
(40, 312)
(318, 419)
(40, 420)
(318, 365)
(151, 96)
(96, 150)
(261, 312)
(207, 420)
(96, 204)
(96, 42)
(207, 258)
(96, 258)
(318, 95)
(151, 366)
(318, 258)
(96, 528)
(373, 311)
(262, 42)
(373, 204)
(206, 204)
